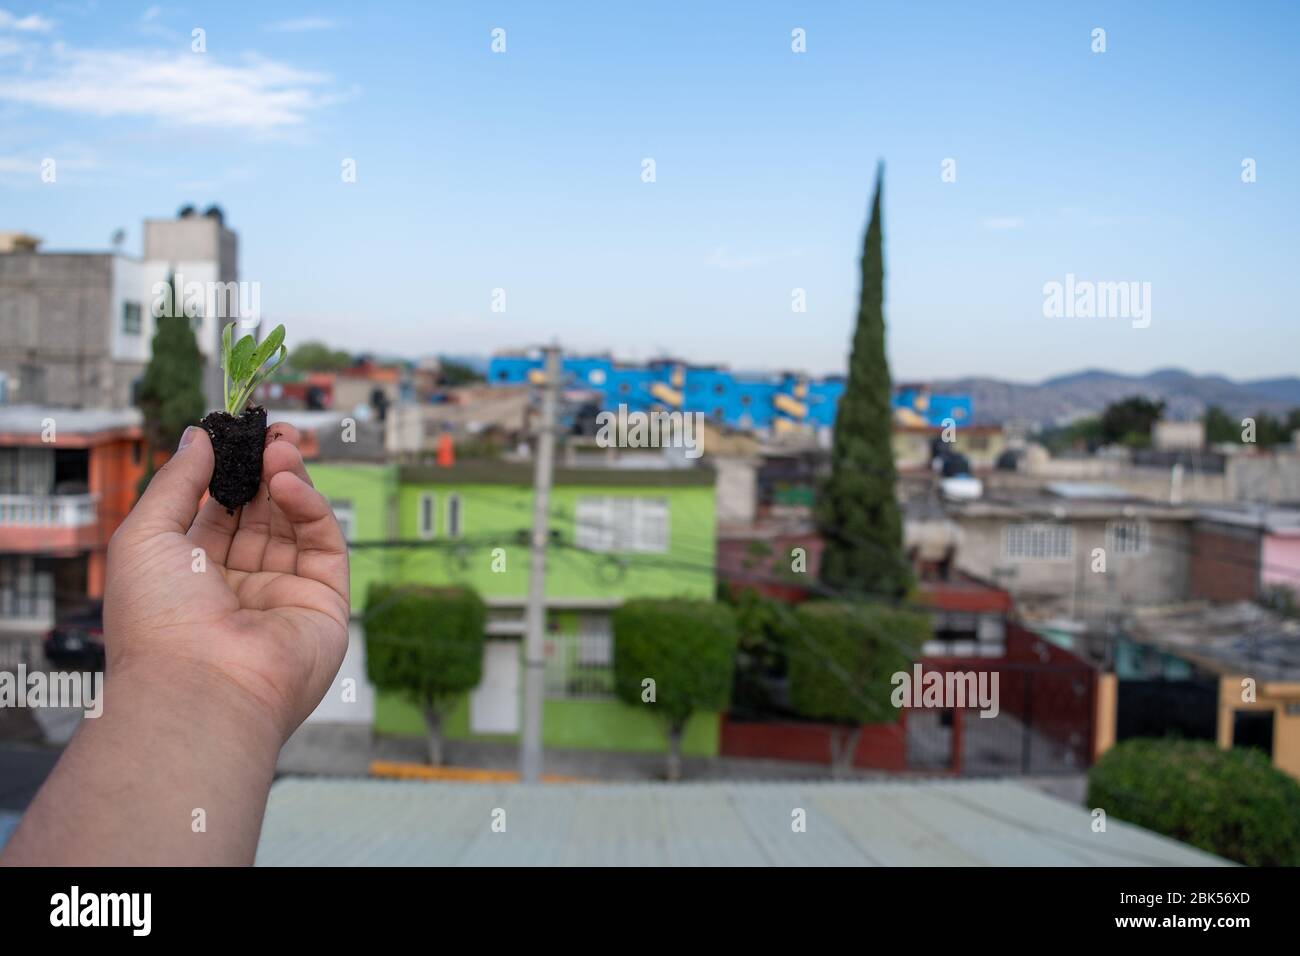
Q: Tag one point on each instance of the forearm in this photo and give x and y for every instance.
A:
(175, 772)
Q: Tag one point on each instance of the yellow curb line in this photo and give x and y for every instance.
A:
(395, 770)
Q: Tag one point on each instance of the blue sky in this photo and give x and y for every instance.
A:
(522, 171)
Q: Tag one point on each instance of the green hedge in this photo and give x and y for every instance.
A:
(843, 655)
(425, 642)
(1233, 803)
(687, 647)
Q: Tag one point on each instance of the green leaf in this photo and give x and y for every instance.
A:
(268, 347)
(241, 359)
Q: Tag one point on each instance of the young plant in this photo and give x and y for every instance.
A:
(244, 364)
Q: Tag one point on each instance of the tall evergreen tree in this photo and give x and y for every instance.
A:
(171, 393)
(857, 512)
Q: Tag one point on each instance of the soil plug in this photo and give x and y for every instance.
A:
(238, 433)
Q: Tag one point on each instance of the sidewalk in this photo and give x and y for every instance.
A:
(347, 750)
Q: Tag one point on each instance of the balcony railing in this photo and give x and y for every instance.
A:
(47, 511)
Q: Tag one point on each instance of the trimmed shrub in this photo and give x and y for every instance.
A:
(1233, 803)
(427, 644)
(688, 648)
(842, 657)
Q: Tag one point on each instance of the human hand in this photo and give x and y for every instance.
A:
(251, 608)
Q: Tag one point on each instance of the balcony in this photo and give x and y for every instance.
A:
(41, 523)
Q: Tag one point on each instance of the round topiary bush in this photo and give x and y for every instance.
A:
(1230, 802)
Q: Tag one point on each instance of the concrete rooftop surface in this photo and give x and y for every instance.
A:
(363, 822)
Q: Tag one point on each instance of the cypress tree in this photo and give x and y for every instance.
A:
(857, 513)
(171, 394)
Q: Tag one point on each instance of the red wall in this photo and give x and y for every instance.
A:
(881, 746)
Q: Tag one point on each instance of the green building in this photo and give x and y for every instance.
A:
(616, 533)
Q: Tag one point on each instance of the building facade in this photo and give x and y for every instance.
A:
(615, 534)
(76, 328)
(67, 479)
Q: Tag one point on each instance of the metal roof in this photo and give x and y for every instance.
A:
(317, 821)
(30, 419)
(1236, 638)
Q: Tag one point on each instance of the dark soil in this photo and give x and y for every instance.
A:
(237, 443)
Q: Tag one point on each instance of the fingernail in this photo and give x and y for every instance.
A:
(187, 437)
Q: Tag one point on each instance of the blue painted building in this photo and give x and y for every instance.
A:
(760, 401)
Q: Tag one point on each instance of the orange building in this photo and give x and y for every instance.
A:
(67, 479)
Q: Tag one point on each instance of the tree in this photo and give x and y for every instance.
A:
(841, 662)
(318, 357)
(1129, 422)
(766, 628)
(688, 650)
(425, 643)
(1219, 427)
(857, 512)
(171, 394)
(452, 373)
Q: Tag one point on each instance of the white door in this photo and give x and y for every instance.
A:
(494, 704)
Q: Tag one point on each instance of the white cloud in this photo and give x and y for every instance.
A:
(1004, 222)
(32, 23)
(302, 25)
(185, 89)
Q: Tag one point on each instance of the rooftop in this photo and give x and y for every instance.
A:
(1235, 638)
(490, 472)
(31, 420)
(315, 821)
(1076, 503)
(1271, 520)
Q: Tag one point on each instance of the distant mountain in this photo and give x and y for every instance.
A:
(1066, 397)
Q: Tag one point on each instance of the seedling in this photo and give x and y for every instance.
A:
(243, 364)
(238, 432)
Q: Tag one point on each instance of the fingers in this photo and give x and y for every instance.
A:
(322, 553)
(239, 540)
(173, 495)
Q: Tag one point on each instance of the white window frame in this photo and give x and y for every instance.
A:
(346, 517)
(1032, 540)
(427, 508)
(457, 529)
(1140, 532)
(623, 524)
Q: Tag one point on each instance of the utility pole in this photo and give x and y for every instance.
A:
(530, 752)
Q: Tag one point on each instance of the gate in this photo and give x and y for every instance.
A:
(1168, 708)
(1043, 724)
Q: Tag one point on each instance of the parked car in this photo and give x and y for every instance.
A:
(78, 639)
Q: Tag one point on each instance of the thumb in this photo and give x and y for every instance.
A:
(172, 498)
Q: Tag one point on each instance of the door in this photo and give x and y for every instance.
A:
(494, 704)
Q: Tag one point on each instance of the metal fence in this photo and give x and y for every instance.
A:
(1043, 724)
(580, 666)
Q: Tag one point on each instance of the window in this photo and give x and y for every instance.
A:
(1128, 537)
(26, 589)
(453, 516)
(131, 318)
(580, 666)
(622, 524)
(343, 513)
(426, 519)
(1042, 542)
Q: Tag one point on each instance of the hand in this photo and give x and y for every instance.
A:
(253, 606)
